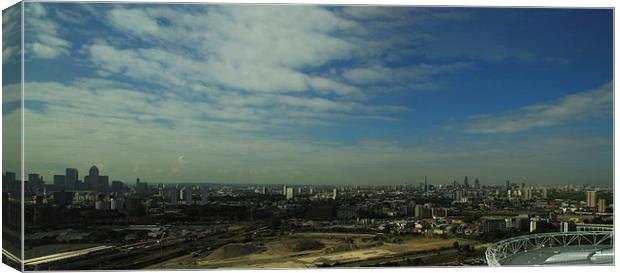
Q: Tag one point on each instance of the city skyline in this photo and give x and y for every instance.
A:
(463, 183)
(348, 95)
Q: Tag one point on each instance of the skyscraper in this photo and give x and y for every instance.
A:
(11, 184)
(466, 183)
(591, 199)
(33, 177)
(95, 182)
(477, 183)
(35, 183)
(71, 179)
(92, 179)
(59, 182)
(104, 184)
(335, 193)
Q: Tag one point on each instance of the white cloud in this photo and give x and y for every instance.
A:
(43, 39)
(378, 74)
(259, 49)
(105, 122)
(111, 123)
(575, 107)
(11, 34)
(134, 20)
(44, 51)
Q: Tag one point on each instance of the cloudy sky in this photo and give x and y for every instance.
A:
(318, 94)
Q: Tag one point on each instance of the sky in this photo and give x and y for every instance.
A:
(357, 95)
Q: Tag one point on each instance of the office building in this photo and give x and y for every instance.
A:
(492, 224)
(117, 186)
(103, 185)
(59, 182)
(92, 179)
(35, 183)
(71, 179)
(95, 182)
(9, 180)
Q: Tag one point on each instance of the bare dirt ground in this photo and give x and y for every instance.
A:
(316, 249)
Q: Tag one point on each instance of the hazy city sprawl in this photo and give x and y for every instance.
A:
(199, 136)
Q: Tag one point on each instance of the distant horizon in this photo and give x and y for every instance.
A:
(344, 95)
(448, 183)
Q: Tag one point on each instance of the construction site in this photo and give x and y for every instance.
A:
(313, 249)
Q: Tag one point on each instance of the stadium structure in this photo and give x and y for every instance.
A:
(558, 248)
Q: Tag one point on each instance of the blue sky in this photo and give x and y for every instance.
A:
(319, 94)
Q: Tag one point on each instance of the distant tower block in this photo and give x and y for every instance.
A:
(591, 199)
(335, 194)
(204, 195)
(174, 196)
(290, 193)
(284, 190)
(526, 194)
(601, 205)
(187, 196)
